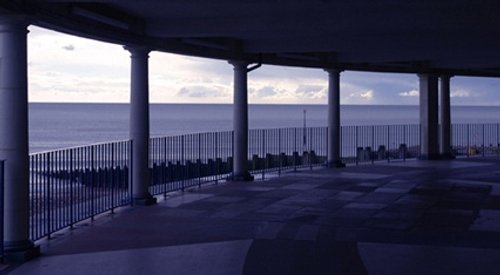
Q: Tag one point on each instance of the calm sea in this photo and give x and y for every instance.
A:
(58, 125)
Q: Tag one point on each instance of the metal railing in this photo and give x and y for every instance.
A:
(71, 185)
(2, 207)
(180, 162)
(275, 150)
(475, 139)
(185, 161)
(379, 142)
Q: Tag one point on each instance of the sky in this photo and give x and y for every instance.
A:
(64, 68)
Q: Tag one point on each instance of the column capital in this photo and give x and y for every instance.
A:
(138, 51)
(423, 75)
(333, 70)
(239, 63)
(13, 23)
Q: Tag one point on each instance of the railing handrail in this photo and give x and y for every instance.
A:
(79, 146)
(189, 134)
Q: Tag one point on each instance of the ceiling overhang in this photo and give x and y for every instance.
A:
(442, 37)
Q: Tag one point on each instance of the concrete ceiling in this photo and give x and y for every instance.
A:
(441, 36)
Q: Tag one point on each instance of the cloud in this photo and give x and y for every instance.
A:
(460, 93)
(266, 91)
(361, 95)
(311, 91)
(69, 47)
(411, 93)
(367, 95)
(351, 93)
(197, 91)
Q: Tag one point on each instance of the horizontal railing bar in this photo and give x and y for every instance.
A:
(81, 146)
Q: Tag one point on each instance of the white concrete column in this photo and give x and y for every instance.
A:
(445, 117)
(240, 122)
(14, 135)
(429, 116)
(139, 125)
(334, 159)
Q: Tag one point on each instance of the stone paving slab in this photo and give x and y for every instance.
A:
(398, 259)
(185, 259)
(324, 221)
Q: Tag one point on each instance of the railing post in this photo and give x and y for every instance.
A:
(419, 140)
(92, 182)
(341, 143)
(310, 149)
(356, 141)
(468, 140)
(498, 141)
(232, 149)
(326, 146)
(130, 171)
(182, 163)
(388, 143)
(164, 168)
(452, 138)
(111, 170)
(48, 197)
(199, 160)
(264, 153)
(2, 207)
(71, 210)
(483, 141)
(406, 145)
(216, 154)
(295, 150)
(279, 151)
(373, 143)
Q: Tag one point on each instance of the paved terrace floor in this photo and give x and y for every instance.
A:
(414, 217)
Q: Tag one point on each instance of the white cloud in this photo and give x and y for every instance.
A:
(351, 93)
(64, 87)
(367, 95)
(460, 93)
(266, 91)
(311, 91)
(410, 93)
(202, 91)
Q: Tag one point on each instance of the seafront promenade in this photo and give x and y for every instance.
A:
(412, 217)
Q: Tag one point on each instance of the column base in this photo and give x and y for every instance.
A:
(20, 252)
(149, 200)
(430, 157)
(241, 177)
(335, 164)
(447, 156)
